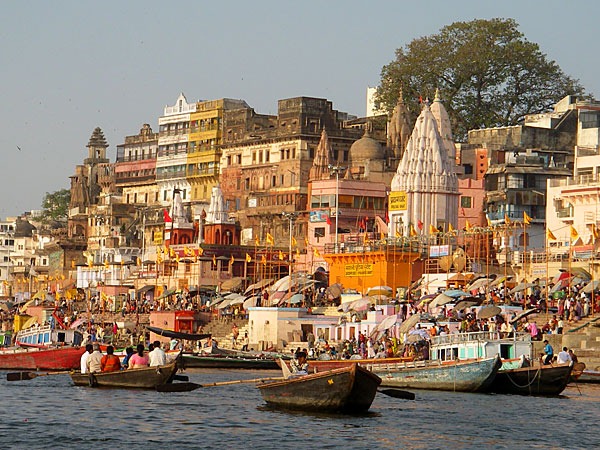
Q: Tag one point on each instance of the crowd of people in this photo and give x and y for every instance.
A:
(94, 361)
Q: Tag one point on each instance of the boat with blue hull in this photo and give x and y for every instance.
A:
(459, 376)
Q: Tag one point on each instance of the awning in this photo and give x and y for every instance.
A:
(145, 289)
(232, 284)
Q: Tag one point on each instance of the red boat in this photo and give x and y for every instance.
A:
(60, 358)
(43, 348)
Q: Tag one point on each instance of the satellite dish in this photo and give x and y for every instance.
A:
(445, 263)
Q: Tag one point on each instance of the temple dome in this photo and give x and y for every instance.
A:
(366, 148)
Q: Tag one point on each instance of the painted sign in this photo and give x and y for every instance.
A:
(397, 201)
(157, 238)
(318, 216)
(435, 251)
(359, 270)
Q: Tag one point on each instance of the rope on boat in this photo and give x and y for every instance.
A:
(528, 384)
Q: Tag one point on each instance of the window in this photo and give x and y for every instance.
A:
(590, 119)
(319, 232)
(466, 201)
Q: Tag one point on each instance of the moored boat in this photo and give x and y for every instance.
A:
(322, 365)
(589, 376)
(146, 378)
(534, 380)
(459, 376)
(227, 362)
(346, 390)
(177, 334)
(43, 348)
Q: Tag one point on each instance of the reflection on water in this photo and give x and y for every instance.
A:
(50, 413)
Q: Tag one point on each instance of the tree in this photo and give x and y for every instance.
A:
(55, 206)
(487, 73)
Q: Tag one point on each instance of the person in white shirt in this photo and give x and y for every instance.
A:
(89, 348)
(157, 356)
(563, 357)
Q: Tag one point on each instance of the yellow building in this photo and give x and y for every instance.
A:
(379, 265)
(204, 153)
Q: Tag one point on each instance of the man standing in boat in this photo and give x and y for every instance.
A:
(94, 362)
(549, 352)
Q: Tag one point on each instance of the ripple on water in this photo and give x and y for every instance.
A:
(49, 412)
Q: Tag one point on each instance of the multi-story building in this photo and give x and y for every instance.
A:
(204, 149)
(522, 159)
(7, 247)
(266, 162)
(572, 210)
(172, 157)
(135, 168)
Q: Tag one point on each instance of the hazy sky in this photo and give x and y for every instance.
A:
(70, 66)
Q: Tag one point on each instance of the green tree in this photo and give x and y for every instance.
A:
(487, 73)
(55, 206)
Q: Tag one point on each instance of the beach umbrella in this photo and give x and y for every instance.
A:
(224, 304)
(410, 322)
(237, 300)
(250, 302)
(29, 323)
(480, 282)
(499, 281)
(520, 287)
(4, 307)
(258, 285)
(441, 300)
(361, 304)
(77, 322)
(231, 296)
(295, 299)
(334, 291)
(591, 286)
(487, 311)
(522, 315)
(581, 273)
(380, 290)
(455, 293)
(386, 323)
(466, 303)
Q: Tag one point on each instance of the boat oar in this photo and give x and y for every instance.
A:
(397, 393)
(20, 376)
(186, 387)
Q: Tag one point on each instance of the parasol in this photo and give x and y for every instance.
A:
(455, 293)
(380, 290)
(591, 286)
(409, 323)
(295, 299)
(521, 287)
(523, 315)
(488, 311)
(480, 282)
(466, 303)
(440, 300)
(250, 302)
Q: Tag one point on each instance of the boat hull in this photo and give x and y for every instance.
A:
(537, 380)
(226, 362)
(589, 376)
(330, 364)
(457, 376)
(62, 358)
(147, 378)
(346, 390)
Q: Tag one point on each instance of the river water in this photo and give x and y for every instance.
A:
(49, 412)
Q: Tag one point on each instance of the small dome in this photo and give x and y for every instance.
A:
(366, 148)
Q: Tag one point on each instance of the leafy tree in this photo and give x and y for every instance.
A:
(55, 206)
(487, 73)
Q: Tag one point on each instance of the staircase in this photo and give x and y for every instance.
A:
(221, 331)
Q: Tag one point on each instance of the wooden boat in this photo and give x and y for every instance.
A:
(459, 376)
(322, 365)
(347, 390)
(534, 380)
(589, 376)
(146, 378)
(215, 361)
(178, 334)
(60, 358)
(43, 348)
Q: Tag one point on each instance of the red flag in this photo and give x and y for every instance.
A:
(420, 225)
(420, 99)
(166, 215)
(328, 220)
(387, 218)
